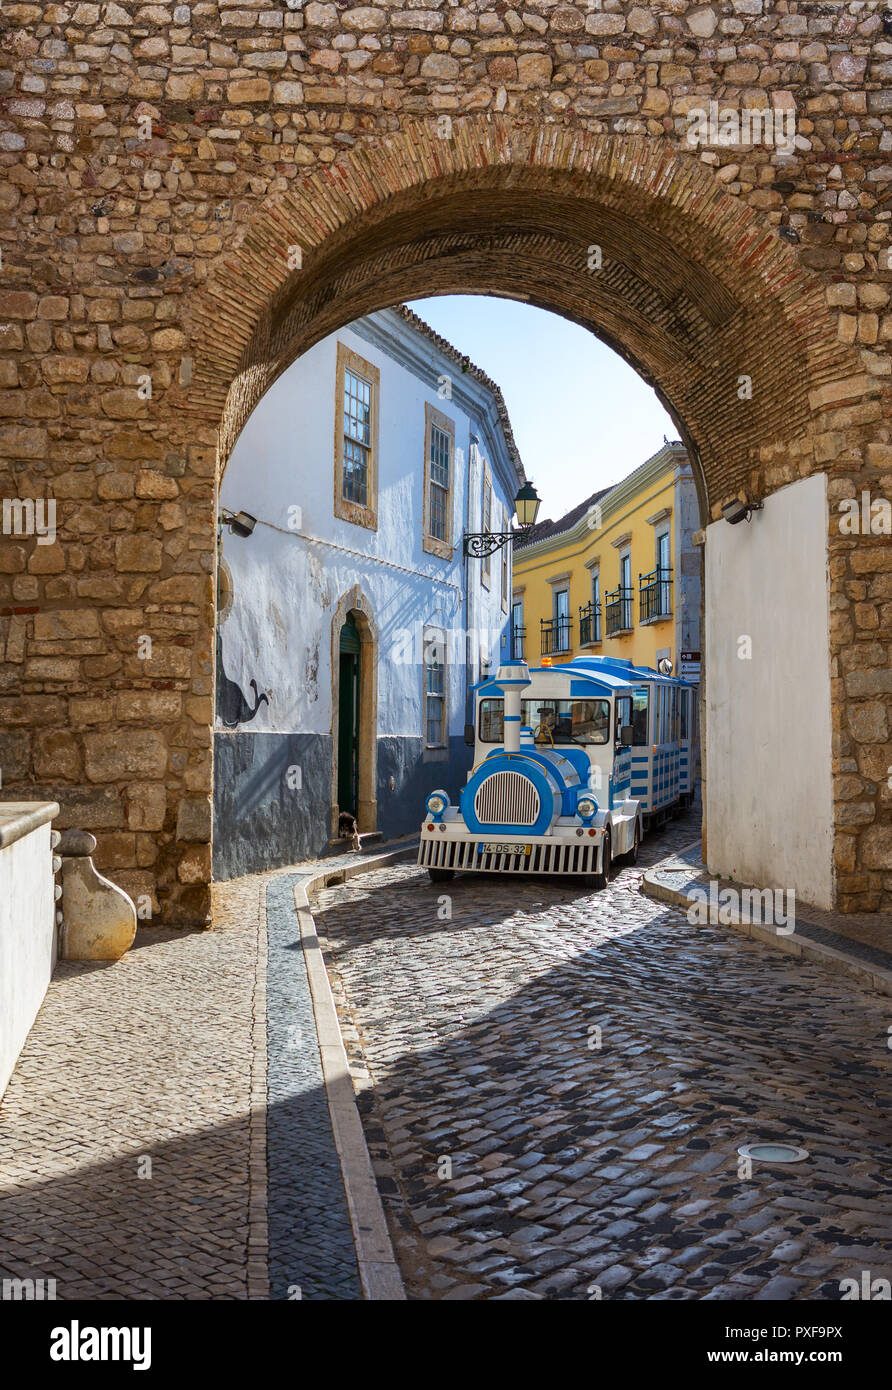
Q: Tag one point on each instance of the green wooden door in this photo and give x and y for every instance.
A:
(348, 720)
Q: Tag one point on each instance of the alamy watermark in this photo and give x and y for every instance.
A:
(27, 1290)
(768, 125)
(29, 516)
(874, 1290)
(772, 906)
(865, 516)
(423, 644)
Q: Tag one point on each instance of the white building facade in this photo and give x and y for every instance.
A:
(350, 624)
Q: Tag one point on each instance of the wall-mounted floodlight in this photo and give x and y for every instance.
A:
(735, 510)
(239, 523)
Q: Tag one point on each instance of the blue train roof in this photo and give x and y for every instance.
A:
(624, 668)
(612, 673)
(583, 680)
(581, 670)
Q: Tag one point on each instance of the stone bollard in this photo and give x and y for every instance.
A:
(98, 918)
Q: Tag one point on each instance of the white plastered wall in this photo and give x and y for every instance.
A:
(28, 941)
(769, 790)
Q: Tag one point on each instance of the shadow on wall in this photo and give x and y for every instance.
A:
(272, 795)
(401, 809)
(272, 791)
(271, 800)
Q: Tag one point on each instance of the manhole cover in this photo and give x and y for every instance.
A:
(773, 1153)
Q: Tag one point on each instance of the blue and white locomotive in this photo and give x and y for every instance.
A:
(572, 764)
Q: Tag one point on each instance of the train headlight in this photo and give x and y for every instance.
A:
(437, 803)
(586, 807)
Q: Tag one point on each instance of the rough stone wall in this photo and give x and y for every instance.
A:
(158, 161)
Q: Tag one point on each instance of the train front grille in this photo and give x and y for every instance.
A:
(542, 859)
(507, 798)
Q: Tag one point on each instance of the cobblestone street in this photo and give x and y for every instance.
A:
(554, 1086)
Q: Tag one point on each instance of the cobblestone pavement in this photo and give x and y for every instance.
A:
(310, 1237)
(523, 1153)
(148, 1058)
(865, 937)
(169, 1056)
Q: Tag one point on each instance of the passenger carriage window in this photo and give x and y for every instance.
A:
(685, 697)
(639, 716)
(623, 714)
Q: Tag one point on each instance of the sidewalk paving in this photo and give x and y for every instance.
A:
(859, 945)
(166, 1133)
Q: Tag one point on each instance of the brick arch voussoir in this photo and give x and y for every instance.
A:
(241, 325)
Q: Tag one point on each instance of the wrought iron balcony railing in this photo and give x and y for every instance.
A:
(655, 595)
(589, 624)
(618, 611)
(555, 635)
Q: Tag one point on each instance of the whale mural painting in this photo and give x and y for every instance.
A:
(232, 706)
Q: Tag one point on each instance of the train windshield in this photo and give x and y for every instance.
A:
(558, 721)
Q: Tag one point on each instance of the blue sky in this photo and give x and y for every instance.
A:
(582, 418)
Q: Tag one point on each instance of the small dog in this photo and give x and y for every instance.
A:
(348, 830)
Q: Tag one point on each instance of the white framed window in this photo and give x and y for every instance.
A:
(625, 584)
(439, 465)
(560, 601)
(593, 617)
(434, 643)
(663, 571)
(517, 629)
(356, 439)
(486, 566)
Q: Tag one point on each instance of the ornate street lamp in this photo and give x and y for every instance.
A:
(479, 544)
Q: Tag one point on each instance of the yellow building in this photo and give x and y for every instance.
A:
(617, 576)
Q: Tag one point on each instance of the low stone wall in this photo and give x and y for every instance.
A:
(28, 938)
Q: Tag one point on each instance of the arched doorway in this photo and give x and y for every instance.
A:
(348, 723)
(354, 705)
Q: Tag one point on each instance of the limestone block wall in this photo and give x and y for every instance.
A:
(159, 163)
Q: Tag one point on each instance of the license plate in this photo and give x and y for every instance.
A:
(496, 847)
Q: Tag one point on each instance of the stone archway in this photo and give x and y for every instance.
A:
(356, 605)
(692, 288)
(695, 289)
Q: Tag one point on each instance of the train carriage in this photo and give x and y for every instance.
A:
(664, 712)
(555, 787)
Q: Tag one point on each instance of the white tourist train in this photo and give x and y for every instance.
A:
(572, 764)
